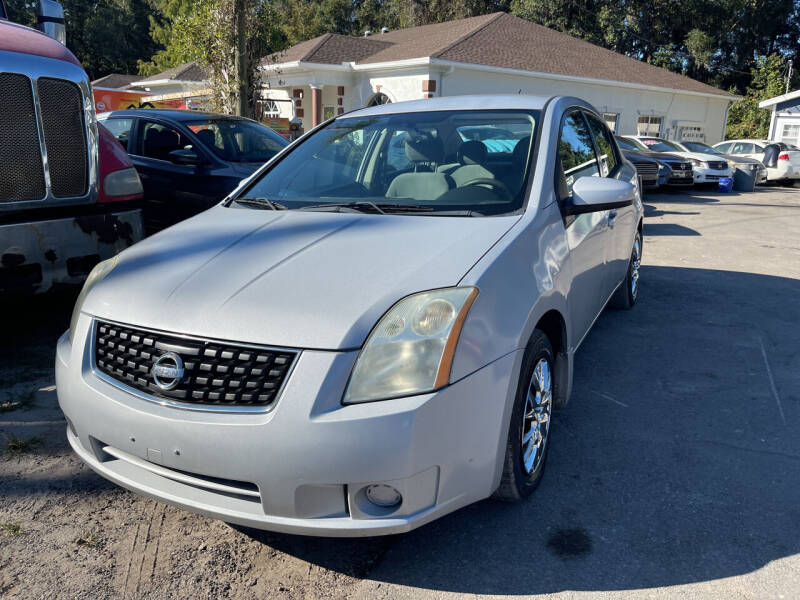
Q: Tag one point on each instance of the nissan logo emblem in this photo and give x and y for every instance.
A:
(167, 371)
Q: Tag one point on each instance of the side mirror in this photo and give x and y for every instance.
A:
(50, 20)
(771, 153)
(185, 157)
(594, 194)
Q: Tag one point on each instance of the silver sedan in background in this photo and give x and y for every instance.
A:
(359, 339)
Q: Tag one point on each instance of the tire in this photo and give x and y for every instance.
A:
(518, 480)
(628, 291)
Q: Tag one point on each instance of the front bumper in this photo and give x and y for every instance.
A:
(703, 175)
(303, 466)
(36, 255)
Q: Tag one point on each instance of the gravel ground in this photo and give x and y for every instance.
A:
(674, 473)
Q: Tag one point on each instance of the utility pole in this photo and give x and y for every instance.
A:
(789, 76)
(242, 106)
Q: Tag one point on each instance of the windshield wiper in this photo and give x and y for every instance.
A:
(364, 206)
(368, 206)
(260, 203)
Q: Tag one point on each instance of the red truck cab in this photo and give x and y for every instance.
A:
(68, 191)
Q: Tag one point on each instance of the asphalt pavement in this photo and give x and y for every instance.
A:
(673, 473)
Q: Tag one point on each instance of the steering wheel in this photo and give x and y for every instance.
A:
(492, 183)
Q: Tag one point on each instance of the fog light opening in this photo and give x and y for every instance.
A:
(383, 495)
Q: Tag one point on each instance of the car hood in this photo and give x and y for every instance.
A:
(700, 156)
(316, 280)
(743, 160)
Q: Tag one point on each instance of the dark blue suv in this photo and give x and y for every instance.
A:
(189, 160)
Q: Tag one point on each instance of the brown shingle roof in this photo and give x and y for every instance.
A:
(498, 40)
(191, 71)
(116, 80)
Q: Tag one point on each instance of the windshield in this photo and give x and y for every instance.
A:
(658, 145)
(626, 145)
(631, 144)
(457, 162)
(237, 140)
(698, 147)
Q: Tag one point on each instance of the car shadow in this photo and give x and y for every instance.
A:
(653, 229)
(676, 461)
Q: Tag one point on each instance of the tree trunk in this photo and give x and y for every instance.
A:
(242, 105)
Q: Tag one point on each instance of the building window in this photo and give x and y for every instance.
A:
(791, 134)
(611, 121)
(328, 112)
(378, 99)
(649, 125)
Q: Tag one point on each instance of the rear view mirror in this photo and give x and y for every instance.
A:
(50, 20)
(594, 194)
(185, 157)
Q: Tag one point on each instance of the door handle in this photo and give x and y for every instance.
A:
(612, 215)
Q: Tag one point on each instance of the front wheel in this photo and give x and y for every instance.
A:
(529, 430)
(628, 291)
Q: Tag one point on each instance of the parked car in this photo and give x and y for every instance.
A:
(189, 160)
(753, 167)
(707, 168)
(787, 165)
(654, 172)
(345, 348)
(65, 186)
(681, 172)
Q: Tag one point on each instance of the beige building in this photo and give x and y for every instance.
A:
(490, 54)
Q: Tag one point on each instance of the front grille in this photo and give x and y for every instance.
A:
(215, 373)
(64, 137)
(21, 171)
(717, 165)
(646, 169)
(680, 166)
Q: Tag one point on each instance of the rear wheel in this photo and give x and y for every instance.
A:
(628, 291)
(529, 430)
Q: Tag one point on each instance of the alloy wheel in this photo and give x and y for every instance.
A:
(636, 261)
(536, 416)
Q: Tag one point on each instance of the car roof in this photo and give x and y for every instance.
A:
(745, 140)
(173, 114)
(482, 102)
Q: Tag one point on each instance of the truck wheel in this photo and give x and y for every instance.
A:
(628, 291)
(529, 430)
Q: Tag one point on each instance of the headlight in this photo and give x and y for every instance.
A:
(698, 163)
(411, 349)
(124, 182)
(97, 274)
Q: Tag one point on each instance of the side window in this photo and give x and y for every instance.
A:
(159, 140)
(742, 148)
(605, 148)
(575, 149)
(758, 149)
(396, 155)
(724, 148)
(121, 128)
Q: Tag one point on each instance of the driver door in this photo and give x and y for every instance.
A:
(586, 234)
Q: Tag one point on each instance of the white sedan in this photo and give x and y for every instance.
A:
(708, 168)
(786, 166)
(356, 341)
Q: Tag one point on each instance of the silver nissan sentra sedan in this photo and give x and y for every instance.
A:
(370, 332)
